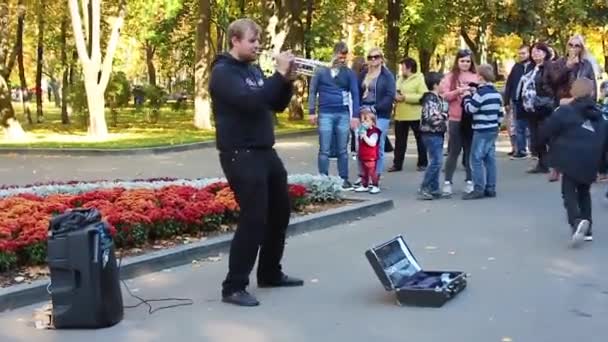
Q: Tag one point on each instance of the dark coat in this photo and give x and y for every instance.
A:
(576, 134)
(386, 89)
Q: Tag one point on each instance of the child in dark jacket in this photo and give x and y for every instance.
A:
(433, 125)
(577, 135)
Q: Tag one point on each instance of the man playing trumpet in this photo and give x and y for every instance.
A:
(243, 101)
(337, 91)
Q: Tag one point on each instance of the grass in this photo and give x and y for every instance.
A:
(133, 129)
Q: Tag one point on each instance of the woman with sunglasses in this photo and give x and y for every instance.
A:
(576, 64)
(452, 88)
(377, 91)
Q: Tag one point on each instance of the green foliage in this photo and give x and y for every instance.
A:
(34, 254)
(8, 261)
(156, 97)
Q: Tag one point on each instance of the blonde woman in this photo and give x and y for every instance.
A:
(378, 91)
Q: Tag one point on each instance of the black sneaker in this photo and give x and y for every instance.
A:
(241, 298)
(490, 193)
(346, 186)
(284, 281)
(475, 194)
(588, 237)
(518, 156)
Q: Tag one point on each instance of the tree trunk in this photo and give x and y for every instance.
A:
(295, 41)
(65, 119)
(150, 50)
(202, 106)
(392, 34)
(308, 46)
(425, 59)
(11, 127)
(471, 44)
(605, 50)
(39, 61)
(95, 69)
(22, 79)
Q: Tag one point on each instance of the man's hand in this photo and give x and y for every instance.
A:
(284, 62)
(354, 123)
(565, 101)
(313, 119)
(400, 98)
(572, 61)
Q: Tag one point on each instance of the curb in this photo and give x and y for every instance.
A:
(26, 294)
(134, 151)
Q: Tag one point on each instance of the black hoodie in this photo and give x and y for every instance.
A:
(576, 134)
(243, 102)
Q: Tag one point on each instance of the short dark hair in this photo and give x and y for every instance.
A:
(410, 63)
(238, 28)
(340, 47)
(432, 78)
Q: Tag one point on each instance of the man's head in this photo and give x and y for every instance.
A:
(486, 72)
(244, 39)
(340, 53)
(582, 87)
(408, 66)
(523, 54)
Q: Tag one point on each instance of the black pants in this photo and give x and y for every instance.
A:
(540, 150)
(402, 129)
(577, 201)
(259, 181)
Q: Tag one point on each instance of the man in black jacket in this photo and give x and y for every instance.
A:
(243, 101)
(517, 124)
(577, 137)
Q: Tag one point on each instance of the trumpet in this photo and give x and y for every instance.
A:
(301, 66)
(307, 67)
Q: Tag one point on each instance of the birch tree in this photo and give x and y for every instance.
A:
(96, 70)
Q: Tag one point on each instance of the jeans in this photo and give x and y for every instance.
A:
(434, 148)
(483, 158)
(259, 181)
(383, 125)
(577, 201)
(334, 126)
(521, 135)
(456, 143)
(402, 129)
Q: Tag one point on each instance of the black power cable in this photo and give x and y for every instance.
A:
(148, 301)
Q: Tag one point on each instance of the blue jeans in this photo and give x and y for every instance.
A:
(383, 125)
(334, 126)
(483, 158)
(434, 149)
(521, 135)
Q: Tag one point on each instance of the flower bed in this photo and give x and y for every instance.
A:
(138, 212)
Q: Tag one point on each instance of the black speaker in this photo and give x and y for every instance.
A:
(85, 284)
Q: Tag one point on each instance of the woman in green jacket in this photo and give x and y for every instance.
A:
(410, 88)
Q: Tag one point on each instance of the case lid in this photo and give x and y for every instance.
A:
(397, 261)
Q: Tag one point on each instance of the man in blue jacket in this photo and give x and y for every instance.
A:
(337, 91)
(243, 102)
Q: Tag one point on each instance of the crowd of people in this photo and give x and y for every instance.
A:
(465, 108)
(552, 98)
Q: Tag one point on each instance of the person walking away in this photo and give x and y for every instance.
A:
(410, 88)
(243, 102)
(334, 88)
(369, 151)
(377, 91)
(486, 108)
(577, 135)
(452, 88)
(433, 125)
(514, 107)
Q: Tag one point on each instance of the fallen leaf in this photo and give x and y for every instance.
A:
(214, 258)
(157, 247)
(314, 280)
(195, 261)
(451, 253)
(491, 258)
(430, 248)
(19, 279)
(506, 339)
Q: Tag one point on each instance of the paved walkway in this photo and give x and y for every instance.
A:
(526, 284)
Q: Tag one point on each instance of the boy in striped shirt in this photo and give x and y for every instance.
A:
(485, 105)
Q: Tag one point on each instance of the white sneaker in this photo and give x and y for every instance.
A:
(447, 188)
(362, 188)
(581, 230)
(357, 182)
(374, 190)
(469, 187)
